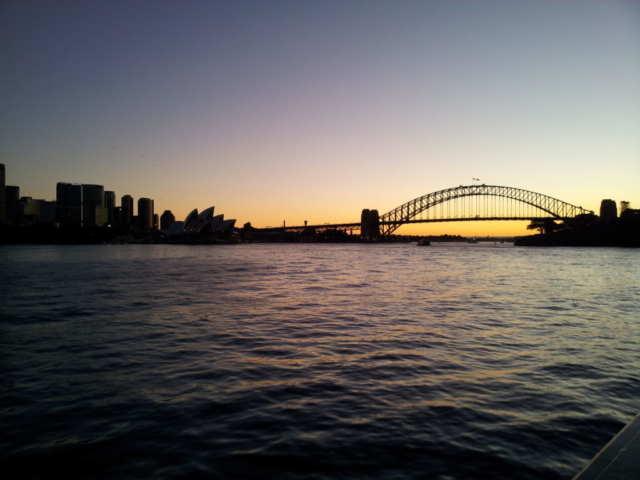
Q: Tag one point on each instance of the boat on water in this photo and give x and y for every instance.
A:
(472, 240)
(423, 243)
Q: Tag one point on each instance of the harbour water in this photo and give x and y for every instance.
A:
(322, 361)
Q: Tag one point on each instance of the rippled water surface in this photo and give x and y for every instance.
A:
(315, 361)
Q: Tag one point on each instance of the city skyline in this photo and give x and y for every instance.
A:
(91, 205)
(315, 110)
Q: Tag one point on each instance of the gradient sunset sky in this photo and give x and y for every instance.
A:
(313, 110)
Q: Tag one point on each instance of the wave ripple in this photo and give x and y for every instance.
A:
(315, 361)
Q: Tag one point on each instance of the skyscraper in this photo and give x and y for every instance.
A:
(80, 205)
(110, 204)
(69, 204)
(608, 209)
(145, 214)
(12, 198)
(127, 209)
(95, 213)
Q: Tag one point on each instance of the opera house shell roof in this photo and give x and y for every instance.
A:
(204, 222)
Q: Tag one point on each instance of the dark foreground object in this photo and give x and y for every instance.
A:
(589, 231)
(618, 460)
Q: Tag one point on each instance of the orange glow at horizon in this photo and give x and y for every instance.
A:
(501, 228)
(269, 119)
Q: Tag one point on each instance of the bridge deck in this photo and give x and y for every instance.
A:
(424, 220)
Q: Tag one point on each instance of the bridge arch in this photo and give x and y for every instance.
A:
(405, 213)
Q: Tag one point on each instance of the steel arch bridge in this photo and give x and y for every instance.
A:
(478, 202)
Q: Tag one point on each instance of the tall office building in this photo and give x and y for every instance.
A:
(12, 193)
(80, 205)
(3, 196)
(167, 219)
(145, 214)
(608, 209)
(110, 205)
(127, 209)
(69, 201)
(95, 213)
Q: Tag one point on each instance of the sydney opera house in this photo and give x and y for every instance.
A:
(204, 227)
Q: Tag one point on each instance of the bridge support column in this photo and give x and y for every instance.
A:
(369, 225)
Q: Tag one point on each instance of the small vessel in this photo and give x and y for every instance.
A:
(473, 240)
(423, 243)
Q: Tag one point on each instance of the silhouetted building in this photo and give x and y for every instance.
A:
(80, 205)
(155, 221)
(12, 195)
(117, 216)
(27, 211)
(30, 211)
(3, 196)
(102, 216)
(127, 210)
(47, 212)
(608, 209)
(166, 219)
(110, 204)
(203, 223)
(145, 214)
(95, 213)
(69, 204)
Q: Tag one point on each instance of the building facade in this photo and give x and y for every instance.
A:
(69, 202)
(95, 213)
(126, 214)
(166, 219)
(47, 212)
(608, 209)
(110, 205)
(80, 205)
(12, 197)
(145, 214)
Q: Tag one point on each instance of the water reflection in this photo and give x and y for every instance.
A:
(385, 361)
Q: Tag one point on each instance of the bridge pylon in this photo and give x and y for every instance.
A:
(369, 225)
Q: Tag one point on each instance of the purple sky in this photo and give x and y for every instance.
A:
(313, 110)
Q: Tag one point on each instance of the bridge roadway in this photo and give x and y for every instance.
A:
(357, 226)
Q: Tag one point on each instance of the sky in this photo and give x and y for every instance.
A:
(277, 111)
